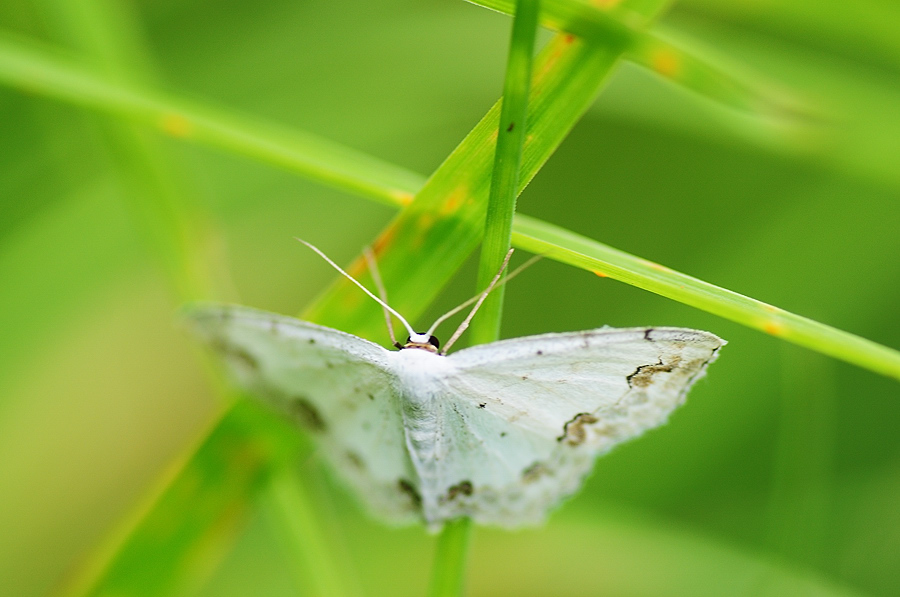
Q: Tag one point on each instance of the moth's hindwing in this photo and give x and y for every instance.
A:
(334, 385)
(524, 419)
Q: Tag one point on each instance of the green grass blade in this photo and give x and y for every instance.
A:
(680, 62)
(195, 517)
(448, 578)
(109, 35)
(573, 249)
(37, 68)
(296, 522)
(450, 561)
(32, 67)
(430, 239)
(154, 190)
(505, 175)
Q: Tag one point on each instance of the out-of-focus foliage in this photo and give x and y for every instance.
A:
(780, 474)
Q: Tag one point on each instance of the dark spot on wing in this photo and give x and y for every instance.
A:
(502, 434)
(370, 395)
(535, 472)
(647, 333)
(643, 375)
(236, 354)
(411, 492)
(311, 341)
(574, 432)
(354, 459)
(539, 353)
(329, 364)
(461, 488)
(306, 413)
(482, 404)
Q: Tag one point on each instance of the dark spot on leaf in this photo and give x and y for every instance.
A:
(511, 126)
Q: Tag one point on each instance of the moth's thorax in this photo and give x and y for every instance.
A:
(420, 372)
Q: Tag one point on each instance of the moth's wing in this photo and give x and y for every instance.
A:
(525, 418)
(333, 384)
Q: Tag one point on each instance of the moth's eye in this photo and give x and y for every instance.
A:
(423, 339)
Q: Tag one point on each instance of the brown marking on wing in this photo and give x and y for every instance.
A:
(643, 375)
(411, 492)
(574, 432)
(461, 488)
(535, 472)
(306, 413)
(236, 354)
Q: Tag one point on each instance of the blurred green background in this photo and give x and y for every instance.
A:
(783, 464)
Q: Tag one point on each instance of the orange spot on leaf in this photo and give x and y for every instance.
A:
(176, 125)
(384, 240)
(403, 197)
(453, 202)
(601, 274)
(666, 63)
(774, 328)
(551, 61)
(653, 265)
(358, 267)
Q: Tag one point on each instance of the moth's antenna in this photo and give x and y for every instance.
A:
(382, 291)
(534, 259)
(465, 323)
(364, 289)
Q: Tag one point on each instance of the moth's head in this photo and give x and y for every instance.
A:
(421, 341)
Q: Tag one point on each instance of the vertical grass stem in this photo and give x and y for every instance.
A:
(507, 160)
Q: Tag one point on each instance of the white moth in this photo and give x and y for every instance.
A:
(499, 432)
